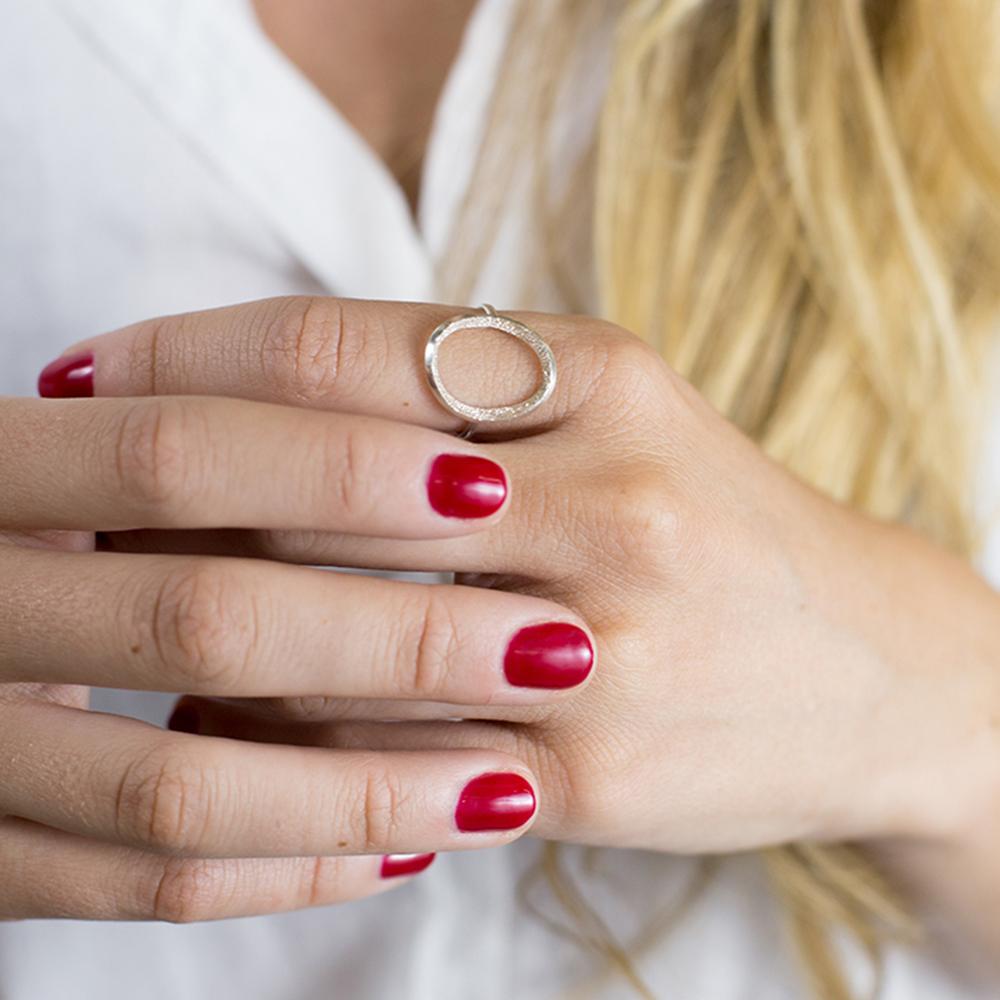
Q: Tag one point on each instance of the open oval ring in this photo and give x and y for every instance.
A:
(492, 321)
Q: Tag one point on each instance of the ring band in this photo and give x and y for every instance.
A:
(490, 320)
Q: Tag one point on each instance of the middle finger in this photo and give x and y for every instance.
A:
(193, 462)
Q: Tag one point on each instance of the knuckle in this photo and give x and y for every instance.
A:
(424, 656)
(164, 802)
(346, 472)
(638, 519)
(314, 353)
(633, 374)
(580, 777)
(322, 880)
(145, 349)
(204, 627)
(153, 452)
(188, 891)
(375, 817)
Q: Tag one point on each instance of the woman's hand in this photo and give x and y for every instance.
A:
(107, 817)
(773, 667)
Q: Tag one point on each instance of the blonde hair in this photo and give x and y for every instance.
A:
(798, 203)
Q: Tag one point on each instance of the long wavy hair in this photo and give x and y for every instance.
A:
(798, 203)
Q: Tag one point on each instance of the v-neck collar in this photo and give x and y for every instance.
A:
(207, 68)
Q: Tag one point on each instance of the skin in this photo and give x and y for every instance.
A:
(773, 667)
(73, 618)
(748, 690)
(382, 64)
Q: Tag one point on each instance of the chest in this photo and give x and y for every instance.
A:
(382, 64)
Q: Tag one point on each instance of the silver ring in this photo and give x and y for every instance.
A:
(492, 321)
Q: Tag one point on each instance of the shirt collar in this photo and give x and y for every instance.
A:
(208, 70)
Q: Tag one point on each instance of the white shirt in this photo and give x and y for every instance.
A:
(159, 156)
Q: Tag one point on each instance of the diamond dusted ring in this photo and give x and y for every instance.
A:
(489, 320)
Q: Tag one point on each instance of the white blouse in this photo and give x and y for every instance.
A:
(158, 156)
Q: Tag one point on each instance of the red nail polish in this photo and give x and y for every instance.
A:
(184, 720)
(466, 486)
(498, 801)
(67, 378)
(552, 655)
(395, 865)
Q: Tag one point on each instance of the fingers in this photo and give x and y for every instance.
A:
(51, 874)
(557, 502)
(257, 629)
(119, 780)
(337, 354)
(198, 463)
(490, 556)
(554, 760)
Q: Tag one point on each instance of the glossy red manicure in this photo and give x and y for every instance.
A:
(552, 655)
(184, 719)
(466, 486)
(395, 865)
(496, 801)
(67, 378)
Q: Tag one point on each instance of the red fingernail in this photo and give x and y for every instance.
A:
(184, 720)
(394, 865)
(466, 486)
(553, 655)
(497, 801)
(68, 378)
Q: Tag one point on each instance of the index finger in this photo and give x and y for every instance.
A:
(349, 355)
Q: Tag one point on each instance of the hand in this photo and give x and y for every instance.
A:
(107, 817)
(764, 674)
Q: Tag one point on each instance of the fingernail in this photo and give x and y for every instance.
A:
(184, 719)
(496, 801)
(552, 655)
(395, 865)
(466, 486)
(67, 378)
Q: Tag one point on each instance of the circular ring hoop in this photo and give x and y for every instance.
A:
(490, 321)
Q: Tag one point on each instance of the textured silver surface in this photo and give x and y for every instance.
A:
(490, 321)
